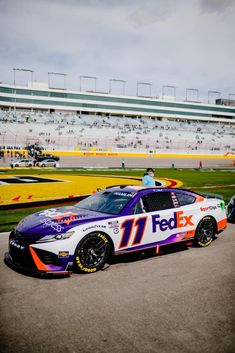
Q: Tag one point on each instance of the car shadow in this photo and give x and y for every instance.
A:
(148, 253)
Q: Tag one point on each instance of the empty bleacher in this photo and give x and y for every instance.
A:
(69, 132)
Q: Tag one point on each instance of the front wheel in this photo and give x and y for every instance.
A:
(92, 253)
(205, 232)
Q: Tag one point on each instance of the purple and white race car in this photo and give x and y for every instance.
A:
(116, 220)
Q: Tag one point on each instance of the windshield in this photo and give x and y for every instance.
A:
(111, 202)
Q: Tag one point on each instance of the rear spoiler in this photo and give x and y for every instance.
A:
(211, 196)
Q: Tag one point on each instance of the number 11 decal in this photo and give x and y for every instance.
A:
(128, 225)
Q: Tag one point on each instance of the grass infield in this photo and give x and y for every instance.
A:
(215, 181)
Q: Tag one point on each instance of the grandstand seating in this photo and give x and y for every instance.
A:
(63, 131)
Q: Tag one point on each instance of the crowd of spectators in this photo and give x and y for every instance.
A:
(64, 131)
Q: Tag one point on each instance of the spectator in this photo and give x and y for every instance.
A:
(148, 178)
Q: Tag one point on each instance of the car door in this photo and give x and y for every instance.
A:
(152, 222)
(162, 222)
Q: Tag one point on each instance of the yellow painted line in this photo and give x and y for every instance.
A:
(71, 186)
(129, 154)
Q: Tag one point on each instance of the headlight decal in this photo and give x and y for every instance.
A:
(40, 265)
(54, 237)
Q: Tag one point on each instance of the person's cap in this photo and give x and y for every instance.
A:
(150, 170)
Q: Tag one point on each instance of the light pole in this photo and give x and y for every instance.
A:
(117, 81)
(229, 97)
(25, 70)
(14, 75)
(212, 92)
(57, 74)
(149, 85)
(191, 90)
(171, 87)
(93, 78)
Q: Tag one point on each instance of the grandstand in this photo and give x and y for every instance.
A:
(64, 120)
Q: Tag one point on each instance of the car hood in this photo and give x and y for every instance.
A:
(57, 220)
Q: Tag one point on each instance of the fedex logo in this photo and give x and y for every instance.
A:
(177, 221)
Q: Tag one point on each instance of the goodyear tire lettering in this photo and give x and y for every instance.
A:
(103, 238)
(85, 269)
(205, 244)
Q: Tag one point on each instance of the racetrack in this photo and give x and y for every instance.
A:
(179, 302)
(137, 162)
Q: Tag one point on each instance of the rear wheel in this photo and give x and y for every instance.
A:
(205, 232)
(92, 253)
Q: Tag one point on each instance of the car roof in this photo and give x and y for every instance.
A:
(134, 188)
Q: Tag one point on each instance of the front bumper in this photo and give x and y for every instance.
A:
(33, 270)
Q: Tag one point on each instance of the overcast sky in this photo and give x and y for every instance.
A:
(184, 43)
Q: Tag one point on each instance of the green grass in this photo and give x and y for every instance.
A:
(201, 181)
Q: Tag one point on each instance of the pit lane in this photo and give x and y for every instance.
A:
(179, 302)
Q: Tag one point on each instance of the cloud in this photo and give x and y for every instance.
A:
(217, 6)
(182, 43)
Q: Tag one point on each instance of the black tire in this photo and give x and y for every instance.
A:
(205, 232)
(16, 165)
(43, 165)
(92, 253)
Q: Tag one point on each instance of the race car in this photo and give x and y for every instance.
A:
(114, 221)
(231, 210)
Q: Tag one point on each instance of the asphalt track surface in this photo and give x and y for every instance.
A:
(130, 162)
(183, 301)
(136, 162)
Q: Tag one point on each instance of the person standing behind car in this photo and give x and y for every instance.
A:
(148, 178)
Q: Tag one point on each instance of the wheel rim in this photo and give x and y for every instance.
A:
(205, 231)
(92, 251)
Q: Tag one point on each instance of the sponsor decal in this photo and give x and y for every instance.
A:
(16, 245)
(63, 254)
(125, 194)
(115, 230)
(48, 222)
(113, 224)
(95, 226)
(208, 208)
(178, 220)
(174, 199)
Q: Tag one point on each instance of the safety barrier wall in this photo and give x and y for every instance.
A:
(126, 154)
